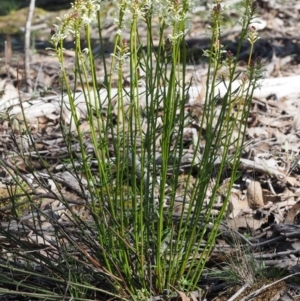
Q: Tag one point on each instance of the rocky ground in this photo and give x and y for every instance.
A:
(265, 203)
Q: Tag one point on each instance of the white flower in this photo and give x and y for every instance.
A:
(174, 38)
(57, 37)
(86, 20)
(86, 51)
(124, 57)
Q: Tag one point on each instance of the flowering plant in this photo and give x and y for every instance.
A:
(141, 228)
(150, 191)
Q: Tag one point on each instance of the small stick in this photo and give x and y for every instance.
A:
(8, 50)
(27, 44)
(238, 292)
(267, 286)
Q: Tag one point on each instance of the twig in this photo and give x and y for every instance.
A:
(8, 50)
(250, 244)
(27, 44)
(272, 255)
(238, 292)
(258, 167)
(196, 294)
(267, 286)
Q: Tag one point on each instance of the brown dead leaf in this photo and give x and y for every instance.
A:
(237, 205)
(292, 214)
(288, 195)
(182, 295)
(255, 195)
(258, 132)
(296, 122)
(193, 297)
(19, 163)
(8, 93)
(42, 119)
(244, 222)
(268, 196)
(293, 181)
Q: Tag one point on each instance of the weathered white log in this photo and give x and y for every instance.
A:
(280, 86)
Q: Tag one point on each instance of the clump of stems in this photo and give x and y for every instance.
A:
(134, 242)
